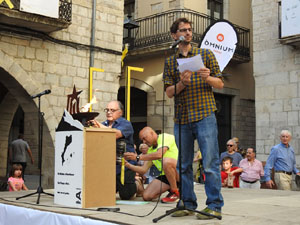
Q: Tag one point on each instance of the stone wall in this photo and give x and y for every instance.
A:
(35, 65)
(277, 79)
(243, 122)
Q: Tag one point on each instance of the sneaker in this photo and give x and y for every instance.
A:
(170, 198)
(209, 214)
(181, 213)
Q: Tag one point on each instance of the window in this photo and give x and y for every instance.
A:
(129, 8)
(215, 8)
(157, 7)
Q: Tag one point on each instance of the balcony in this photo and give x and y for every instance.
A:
(153, 35)
(12, 17)
(293, 40)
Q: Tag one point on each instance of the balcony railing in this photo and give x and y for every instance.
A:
(65, 8)
(155, 30)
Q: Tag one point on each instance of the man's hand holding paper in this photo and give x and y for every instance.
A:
(204, 73)
(189, 65)
(185, 77)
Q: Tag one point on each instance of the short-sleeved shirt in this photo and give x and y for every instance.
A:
(197, 100)
(19, 148)
(236, 181)
(166, 140)
(127, 131)
(16, 182)
(251, 172)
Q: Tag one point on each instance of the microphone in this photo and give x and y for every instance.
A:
(42, 93)
(181, 38)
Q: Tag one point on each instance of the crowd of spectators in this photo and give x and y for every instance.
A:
(239, 167)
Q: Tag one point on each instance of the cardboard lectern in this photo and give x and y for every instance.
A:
(99, 168)
(85, 166)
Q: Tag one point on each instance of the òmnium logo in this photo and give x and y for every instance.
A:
(220, 37)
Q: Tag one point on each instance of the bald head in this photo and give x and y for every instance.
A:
(146, 130)
(148, 136)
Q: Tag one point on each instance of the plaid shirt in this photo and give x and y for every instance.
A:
(196, 100)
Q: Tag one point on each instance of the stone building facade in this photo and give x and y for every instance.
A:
(29, 65)
(277, 78)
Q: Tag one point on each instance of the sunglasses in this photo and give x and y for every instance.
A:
(229, 145)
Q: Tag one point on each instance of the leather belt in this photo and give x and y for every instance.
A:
(249, 182)
(280, 171)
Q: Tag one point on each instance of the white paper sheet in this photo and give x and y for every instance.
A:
(41, 7)
(193, 64)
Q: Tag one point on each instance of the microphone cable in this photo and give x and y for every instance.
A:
(162, 152)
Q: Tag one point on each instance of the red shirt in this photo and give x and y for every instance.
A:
(236, 181)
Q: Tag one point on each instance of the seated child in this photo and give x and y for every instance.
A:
(15, 181)
(230, 175)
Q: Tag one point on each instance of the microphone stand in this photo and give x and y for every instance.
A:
(180, 205)
(40, 140)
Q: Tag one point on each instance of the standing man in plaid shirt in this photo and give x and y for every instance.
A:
(195, 105)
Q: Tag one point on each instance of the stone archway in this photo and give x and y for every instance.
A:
(20, 86)
(154, 106)
(138, 84)
(140, 92)
(8, 108)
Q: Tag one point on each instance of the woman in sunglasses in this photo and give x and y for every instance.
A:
(236, 157)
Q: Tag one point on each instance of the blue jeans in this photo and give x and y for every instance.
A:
(206, 133)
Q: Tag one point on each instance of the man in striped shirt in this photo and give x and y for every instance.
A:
(194, 110)
(252, 170)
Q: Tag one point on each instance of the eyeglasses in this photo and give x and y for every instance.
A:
(229, 145)
(110, 110)
(185, 30)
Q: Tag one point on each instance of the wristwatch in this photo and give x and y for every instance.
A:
(137, 158)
